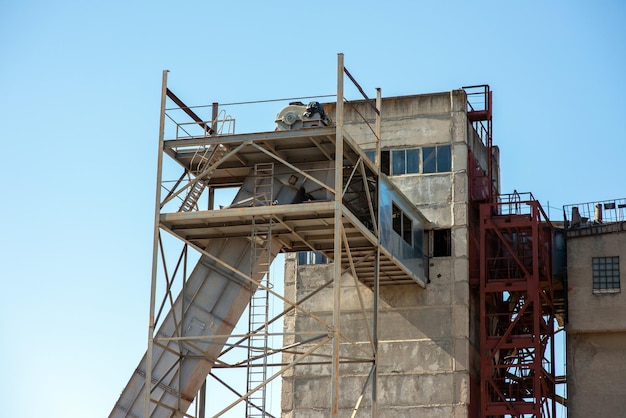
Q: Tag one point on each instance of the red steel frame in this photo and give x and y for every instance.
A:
(516, 309)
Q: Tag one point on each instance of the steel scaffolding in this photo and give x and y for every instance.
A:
(323, 197)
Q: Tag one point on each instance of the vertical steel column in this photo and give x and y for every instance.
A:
(155, 249)
(533, 291)
(202, 401)
(379, 101)
(484, 352)
(214, 115)
(377, 261)
(337, 239)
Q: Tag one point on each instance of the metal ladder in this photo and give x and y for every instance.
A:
(261, 239)
(207, 157)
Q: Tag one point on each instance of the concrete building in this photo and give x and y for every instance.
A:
(439, 300)
(428, 363)
(596, 330)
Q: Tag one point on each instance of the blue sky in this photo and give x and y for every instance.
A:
(79, 103)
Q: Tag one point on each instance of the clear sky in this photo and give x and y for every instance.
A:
(79, 108)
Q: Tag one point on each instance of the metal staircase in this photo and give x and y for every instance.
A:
(205, 158)
(261, 241)
(517, 314)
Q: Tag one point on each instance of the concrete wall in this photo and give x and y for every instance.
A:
(595, 374)
(589, 312)
(427, 343)
(596, 332)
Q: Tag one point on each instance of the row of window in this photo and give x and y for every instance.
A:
(423, 160)
(605, 269)
(442, 240)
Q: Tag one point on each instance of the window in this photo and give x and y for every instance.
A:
(605, 274)
(442, 243)
(310, 257)
(384, 162)
(405, 161)
(437, 159)
(402, 224)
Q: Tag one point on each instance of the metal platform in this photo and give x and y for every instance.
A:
(299, 227)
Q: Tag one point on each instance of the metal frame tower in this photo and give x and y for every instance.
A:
(194, 311)
(517, 314)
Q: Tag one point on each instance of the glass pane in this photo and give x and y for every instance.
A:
(412, 161)
(606, 273)
(407, 227)
(396, 216)
(444, 159)
(429, 163)
(397, 159)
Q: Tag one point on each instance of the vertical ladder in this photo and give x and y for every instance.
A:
(261, 254)
(206, 157)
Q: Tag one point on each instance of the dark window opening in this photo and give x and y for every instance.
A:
(385, 162)
(407, 229)
(402, 224)
(442, 243)
(605, 274)
(396, 217)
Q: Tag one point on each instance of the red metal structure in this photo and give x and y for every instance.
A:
(511, 268)
(517, 316)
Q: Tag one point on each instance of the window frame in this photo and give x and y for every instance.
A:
(433, 159)
(401, 223)
(413, 160)
(605, 275)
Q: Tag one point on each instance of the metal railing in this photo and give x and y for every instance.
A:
(581, 215)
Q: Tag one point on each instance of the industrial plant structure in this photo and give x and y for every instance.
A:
(596, 326)
(411, 287)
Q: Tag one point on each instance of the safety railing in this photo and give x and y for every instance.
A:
(581, 215)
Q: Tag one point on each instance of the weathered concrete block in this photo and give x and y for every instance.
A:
(408, 296)
(461, 354)
(421, 389)
(286, 400)
(415, 356)
(461, 269)
(459, 155)
(461, 293)
(461, 388)
(429, 322)
(461, 321)
(459, 213)
(459, 242)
